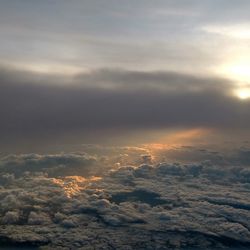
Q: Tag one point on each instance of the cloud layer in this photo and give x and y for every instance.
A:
(33, 105)
(154, 205)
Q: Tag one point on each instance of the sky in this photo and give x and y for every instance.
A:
(115, 71)
(125, 124)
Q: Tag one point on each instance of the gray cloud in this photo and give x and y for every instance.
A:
(114, 100)
(55, 165)
(178, 205)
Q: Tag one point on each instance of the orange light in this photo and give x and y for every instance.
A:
(72, 185)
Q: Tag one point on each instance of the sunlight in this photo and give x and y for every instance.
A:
(238, 70)
(73, 185)
(243, 93)
(176, 138)
(242, 71)
(186, 136)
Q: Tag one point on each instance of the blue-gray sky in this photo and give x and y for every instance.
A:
(69, 68)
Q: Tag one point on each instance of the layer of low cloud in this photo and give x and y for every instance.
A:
(55, 165)
(176, 205)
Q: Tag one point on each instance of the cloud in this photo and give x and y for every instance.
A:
(11, 217)
(173, 203)
(38, 218)
(157, 196)
(55, 164)
(113, 100)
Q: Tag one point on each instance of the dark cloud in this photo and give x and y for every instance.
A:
(31, 106)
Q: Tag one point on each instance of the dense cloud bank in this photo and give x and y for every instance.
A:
(157, 206)
(33, 106)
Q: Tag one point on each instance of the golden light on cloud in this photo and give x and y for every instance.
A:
(189, 134)
(157, 146)
(180, 137)
(72, 185)
(170, 140)
(174, 140)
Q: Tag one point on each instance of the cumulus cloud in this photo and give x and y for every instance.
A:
(53, 164)
(11, 217)
(224, 154)
(38, 218)
(179, 205)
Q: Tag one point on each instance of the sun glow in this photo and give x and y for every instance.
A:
(174, 139)
(243, 93)
(238, 70)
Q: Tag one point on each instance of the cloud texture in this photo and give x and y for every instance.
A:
(156, 206)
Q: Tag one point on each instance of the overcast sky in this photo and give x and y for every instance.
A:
(71, 68)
